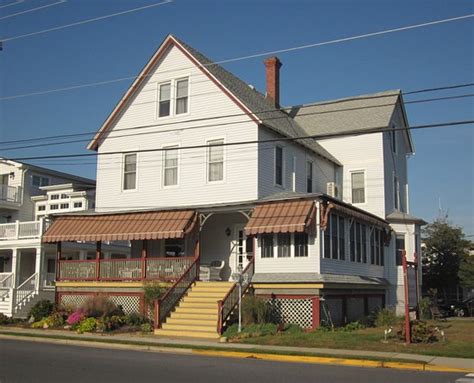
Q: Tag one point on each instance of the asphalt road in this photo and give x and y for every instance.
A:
(23, 361)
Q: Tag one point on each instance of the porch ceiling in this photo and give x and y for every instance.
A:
(115, 227)
(281, 217)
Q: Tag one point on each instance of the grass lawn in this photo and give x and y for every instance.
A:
(459, 340)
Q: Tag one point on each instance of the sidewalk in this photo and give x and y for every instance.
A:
(295, 354)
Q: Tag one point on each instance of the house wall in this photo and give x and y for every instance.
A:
(324, 171)
(207, 104)
(361, 153)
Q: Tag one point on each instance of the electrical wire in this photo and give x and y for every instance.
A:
(33, 10)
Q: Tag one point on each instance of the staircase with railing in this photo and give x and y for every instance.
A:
(25, 292)
(226, 306)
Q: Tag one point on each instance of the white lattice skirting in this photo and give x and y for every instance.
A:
(129, 303)
(294, 311)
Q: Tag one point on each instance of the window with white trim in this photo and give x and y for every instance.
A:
(284, 245)
(182, 96)
(279, 165)
(358, 187)
(64, 206)
(38, 181)
(54, 196)
(170, 165)
(309, 176)
(301, 245)
(335, 238)
(399, 248)
(129, 171)
(41, 207)
(77, 205)
(267, 245)
(164, 104)
(215, 160)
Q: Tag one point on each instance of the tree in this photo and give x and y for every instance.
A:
(466, 270)
(445, 249)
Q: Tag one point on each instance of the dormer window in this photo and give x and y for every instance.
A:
(182, 96)
(165, 100)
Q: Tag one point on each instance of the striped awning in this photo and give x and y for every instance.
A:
(282, 217)
(121, 227)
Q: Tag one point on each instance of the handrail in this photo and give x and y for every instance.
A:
(168, 301)
(6, 282)
(231, 299)
(22, 292)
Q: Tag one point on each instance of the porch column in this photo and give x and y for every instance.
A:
(38, 268)
(15, 266)
(316, 313)
(58, 258)
(144, 256)
(98, 250)
(82, 255)
(197, 256)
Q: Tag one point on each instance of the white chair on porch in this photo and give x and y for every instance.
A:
(211, 272)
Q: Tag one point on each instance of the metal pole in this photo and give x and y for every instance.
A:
(240, 306)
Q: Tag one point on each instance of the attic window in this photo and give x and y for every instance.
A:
(182, 96)
(165, 100)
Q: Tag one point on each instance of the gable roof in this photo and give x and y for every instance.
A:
(249, 100)
(346, 114)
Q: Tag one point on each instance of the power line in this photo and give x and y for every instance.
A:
(86, 21)
(33, 9)
(15, 2)
(356, 132)
(195, 120)
(256, 55)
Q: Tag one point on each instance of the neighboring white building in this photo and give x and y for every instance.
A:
(28, 196)
(312, 219)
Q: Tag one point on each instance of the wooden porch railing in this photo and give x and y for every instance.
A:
(130, 269)
(168, 301)
(230, 301)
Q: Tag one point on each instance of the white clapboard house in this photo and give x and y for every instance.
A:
(315, 226)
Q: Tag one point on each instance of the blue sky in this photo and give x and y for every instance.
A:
(443, 166)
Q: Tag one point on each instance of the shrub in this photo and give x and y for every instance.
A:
(41, 310)
(55, 320)
(353, 326)
(75, 317)
(152, 291)
(134, 319)
(255, 311)
(385, 317)
(292, 328)
(421, 332)
(425, 308)
(40, 324)
(99, 306)
(87, 325)
(4, 319)
(146, 327)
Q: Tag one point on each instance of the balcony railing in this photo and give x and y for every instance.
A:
(10, 194)
(22, 230)
(130, 269)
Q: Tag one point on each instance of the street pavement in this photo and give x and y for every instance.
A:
(24, 361)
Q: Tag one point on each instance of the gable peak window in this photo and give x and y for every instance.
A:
(215, 160)
(358, 187)
(279, 165)
(129, 171)
(164, 99)
(182, 97)
(170, 165)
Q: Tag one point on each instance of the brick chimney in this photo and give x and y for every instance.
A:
(272, 66)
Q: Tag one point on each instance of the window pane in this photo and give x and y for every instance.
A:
(364, 243)
(342, 239)
(400, 248)
(129, 181)
(358, 187)
(165, 92)
(358, 242)
(309, 177)
(284, 243)
(182, 105)
(130, 171)
(130, 162)
(216, 151)
(164, 108)
(301, 245)
(182, 88)
(334, 241)
(215, 160)
(267, 246)
(279, 165)
(352, 242)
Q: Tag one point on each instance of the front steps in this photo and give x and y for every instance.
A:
(196, 315)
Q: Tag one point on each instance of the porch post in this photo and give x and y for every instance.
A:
(316, 313)
(98, 250)
(144, 256)
(197, 256)
(14, 266)
(417, 290)
(58, 259)
(407, 308)
(38, 263)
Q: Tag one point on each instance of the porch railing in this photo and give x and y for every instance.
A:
(130, 269)
(168, 301)
(25, 290)
(22, 230)
(10, 193)
(230, 301)
(6, 280)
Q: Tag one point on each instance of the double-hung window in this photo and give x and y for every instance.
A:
(301, 245)
(284, 245)
(400, 248)
(267, 246)
(215, 160)
(170, 165)
(182, 96)
(358, 187)
(130, 171)
(309, 176)
(352, 240)
(279, 165)
(164, 100)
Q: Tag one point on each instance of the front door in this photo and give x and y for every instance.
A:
(239, 248)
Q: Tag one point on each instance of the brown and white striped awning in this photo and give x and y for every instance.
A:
(282, 217)
(120, 227)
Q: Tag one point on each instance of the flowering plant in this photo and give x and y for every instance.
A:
(75, 317)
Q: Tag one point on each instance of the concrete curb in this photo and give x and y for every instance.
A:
(184, 349)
